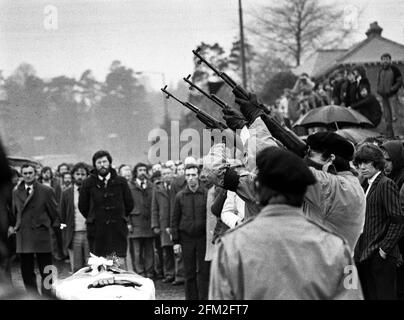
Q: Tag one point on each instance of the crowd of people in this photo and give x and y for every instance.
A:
(348, 87)
(258, 223)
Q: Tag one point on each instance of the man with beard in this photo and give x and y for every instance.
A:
(75, 234)
(47, 179)
(141, 235)
(66, 180)
(105, 201)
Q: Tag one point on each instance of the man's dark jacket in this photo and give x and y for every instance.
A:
(140, 216)
(35, 215)
(161, 203)
(67, 213)
(107, 208)
(384, 220)
(189, 214)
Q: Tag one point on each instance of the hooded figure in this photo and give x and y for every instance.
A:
(395, 170)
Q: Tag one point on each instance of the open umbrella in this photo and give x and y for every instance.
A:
(357, 135)
(335, 116)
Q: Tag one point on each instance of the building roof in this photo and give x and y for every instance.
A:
(366, 51)
(318, 61)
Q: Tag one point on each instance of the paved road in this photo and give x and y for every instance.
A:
(163, 291)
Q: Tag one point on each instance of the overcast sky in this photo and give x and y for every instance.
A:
(146, 35)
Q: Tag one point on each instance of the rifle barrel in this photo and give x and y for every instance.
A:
(170, 95)
(220, 74)
(193, 85)
(212, 97)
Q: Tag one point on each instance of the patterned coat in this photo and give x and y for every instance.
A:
(384, 223)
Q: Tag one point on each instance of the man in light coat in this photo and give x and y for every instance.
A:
(292, 257)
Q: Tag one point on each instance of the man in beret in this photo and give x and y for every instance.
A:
(292, 258)
(337, 201)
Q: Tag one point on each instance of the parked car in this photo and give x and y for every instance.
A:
(17, 162)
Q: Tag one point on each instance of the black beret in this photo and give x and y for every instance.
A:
(283, 171)
(333, 143)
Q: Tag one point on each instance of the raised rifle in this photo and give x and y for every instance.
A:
(238, 90)
(282, 133)
(203, 116)
(211, 97)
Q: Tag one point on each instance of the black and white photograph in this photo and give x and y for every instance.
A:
(220, 151)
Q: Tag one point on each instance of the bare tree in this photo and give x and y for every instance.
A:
(296, 27)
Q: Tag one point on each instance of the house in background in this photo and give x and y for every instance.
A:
(322, 63)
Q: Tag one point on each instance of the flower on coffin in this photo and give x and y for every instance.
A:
(98, 264)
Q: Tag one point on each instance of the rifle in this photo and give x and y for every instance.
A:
(286, 136)
(238, 90)
(212, 97)
(203, 116)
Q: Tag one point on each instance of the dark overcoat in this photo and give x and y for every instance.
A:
(35, 215)
(107, 209)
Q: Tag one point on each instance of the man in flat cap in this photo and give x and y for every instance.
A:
(279, 254)
(337, 201)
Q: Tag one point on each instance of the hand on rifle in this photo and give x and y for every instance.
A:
(234, 119)
(250, 108)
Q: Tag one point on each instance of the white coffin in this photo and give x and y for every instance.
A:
(75, 287)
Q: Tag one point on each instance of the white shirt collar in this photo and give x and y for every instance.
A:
(107, 177)
(139, 182)
(371, 180)
(29, 186)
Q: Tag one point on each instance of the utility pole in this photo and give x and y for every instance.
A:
(242, 48)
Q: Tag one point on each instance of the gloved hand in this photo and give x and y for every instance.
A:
(250, 108)
(234, 119)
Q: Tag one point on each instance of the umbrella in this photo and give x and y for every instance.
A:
(357, 135)
(332, 115)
